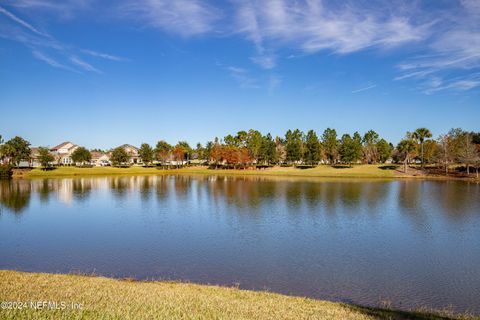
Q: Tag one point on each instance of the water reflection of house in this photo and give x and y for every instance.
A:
(65, 191)
(63, 153)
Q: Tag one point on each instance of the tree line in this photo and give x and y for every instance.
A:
(295, 148)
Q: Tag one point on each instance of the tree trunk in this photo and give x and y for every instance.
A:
(468, 169)
(421, 146)
(405, 165)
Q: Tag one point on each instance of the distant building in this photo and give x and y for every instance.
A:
(132, 152)
(34, 157)
(63, 152)
(100, 158)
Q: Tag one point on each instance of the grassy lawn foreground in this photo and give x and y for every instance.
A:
(105, 298)
(359, 171)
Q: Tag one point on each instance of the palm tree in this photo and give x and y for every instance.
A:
(420, 135)
(406, 147)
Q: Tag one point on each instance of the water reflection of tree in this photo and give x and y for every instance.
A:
(313, 195)
(456, 199)
(44, 188)
(350, 193)
(146, 186)
(330, 196)
(81, 188)
(161, 188)
(409, 195)
(243, 192)
(119, 186)
(424, 200)
(253, 192)
(182, 186)
(411, 201)
(376, 193)
(15, 195)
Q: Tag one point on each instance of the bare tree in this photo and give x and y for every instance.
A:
(467, 151)
(444, 153)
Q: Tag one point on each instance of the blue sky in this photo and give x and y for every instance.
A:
(104, 73)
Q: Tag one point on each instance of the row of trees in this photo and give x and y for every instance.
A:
(252, 147)
(456, 146)
(246, 148)
(296, 147)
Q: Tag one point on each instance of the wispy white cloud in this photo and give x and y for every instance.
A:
(243, 77)
(448, 36)
(183, 17)
(22, 22)
(248, 24)
(264, 60)
(50, 61)
(83, 64)
(364, 88)
(44, 46)
(454, 54)
(414, 74)
(103, 55)
(312, 26)
(435, 84)
(63, 9)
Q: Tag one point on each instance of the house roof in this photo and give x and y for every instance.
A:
(97, 154)
(63, 144)
(129, 146)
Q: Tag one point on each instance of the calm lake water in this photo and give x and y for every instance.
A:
(414, 243)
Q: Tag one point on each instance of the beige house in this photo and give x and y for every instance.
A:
(100, 159)
(34, 155)
(132, 153)
(63, 152)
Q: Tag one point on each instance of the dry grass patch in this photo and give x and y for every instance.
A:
(105, 298)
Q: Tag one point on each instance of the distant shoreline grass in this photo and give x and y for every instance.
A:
(322, 171)
(106, 298)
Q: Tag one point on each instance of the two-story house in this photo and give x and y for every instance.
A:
(63, 152)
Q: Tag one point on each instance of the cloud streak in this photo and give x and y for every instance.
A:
(22, 22)
(454, 58)
(45, 47)
(105, 56)
(63, 9)
(84, 65)
(365, 88)
(184, 17)
(50, 61)
(243, 77)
